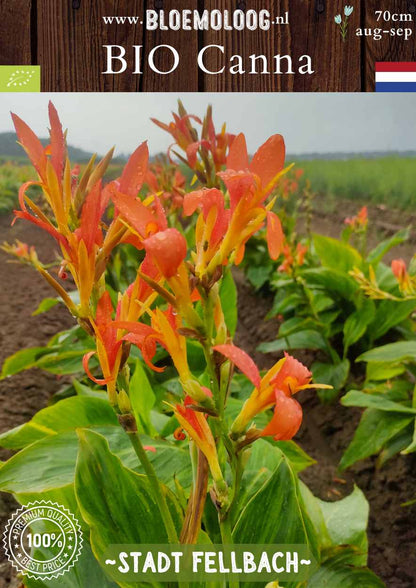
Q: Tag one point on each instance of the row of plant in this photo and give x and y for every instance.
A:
(341, 299)
(166, 424)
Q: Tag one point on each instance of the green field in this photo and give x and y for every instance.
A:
(386, 180)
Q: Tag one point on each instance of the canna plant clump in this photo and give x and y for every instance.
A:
(175, 304)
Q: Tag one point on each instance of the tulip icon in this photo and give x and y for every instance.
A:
(343, 24)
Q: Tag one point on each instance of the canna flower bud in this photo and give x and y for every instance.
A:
(123, 402)
(399, 269)
(168, 250)
(194, 390)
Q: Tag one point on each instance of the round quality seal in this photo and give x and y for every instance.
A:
(42, 540)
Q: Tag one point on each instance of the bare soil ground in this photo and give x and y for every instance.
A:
(329, 216)
(325, 432)
(24, 394)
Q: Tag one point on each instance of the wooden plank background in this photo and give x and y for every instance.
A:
(66, 37)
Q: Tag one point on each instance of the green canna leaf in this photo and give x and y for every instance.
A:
(375, 429)
(66, 415)
(392, 352)
(335, 254)
(116, 503)
(284, 517)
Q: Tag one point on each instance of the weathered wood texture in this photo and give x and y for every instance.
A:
(70, 40)
(66, 38)
(15, 32)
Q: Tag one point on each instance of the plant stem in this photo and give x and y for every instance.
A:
(154, 482)
(195, 510)
(238, 474)
(227, 539)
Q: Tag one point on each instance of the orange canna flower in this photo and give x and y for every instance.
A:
(211, 226)
(399, 269)
(163, 330)
(180, 129)
(196, 425)
(286, 378)
(301, 251)
(109, 337)
(22, 251)
(168, 183)
(211, 146)
(288, 185)
(293, 259)
(166, 247)
(358, 221)
(249, 184)
(77, 205)
(216, 144)
(108, 343)
(221, 233)
(287, 265)
(261, 174)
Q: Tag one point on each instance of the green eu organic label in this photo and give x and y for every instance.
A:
(20, 78)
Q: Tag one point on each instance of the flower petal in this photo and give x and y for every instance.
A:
(43, 225)
(85, 362)
(57, 142)
(286, 420)
(292, 376)
(91, 212)
(138, 216)
(168, 249)
(31, 145)
(269, 159)
(135, 171)
(275, 236)
(237, 156)
(242, 360)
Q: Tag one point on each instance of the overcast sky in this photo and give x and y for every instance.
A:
(309, 122)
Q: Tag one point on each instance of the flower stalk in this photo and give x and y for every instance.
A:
(128, 422)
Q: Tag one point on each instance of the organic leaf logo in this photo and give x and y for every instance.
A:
(20, 77)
